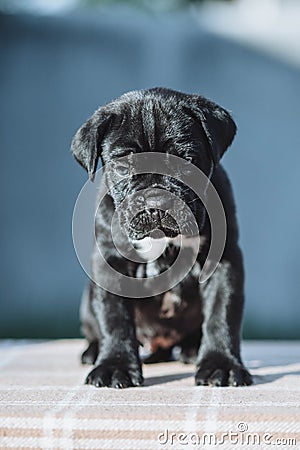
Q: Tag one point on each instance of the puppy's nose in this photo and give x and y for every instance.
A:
(158, 200)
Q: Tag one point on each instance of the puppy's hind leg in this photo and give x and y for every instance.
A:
(89, 356)
(190, 347)
(160, 355)
(89, 327)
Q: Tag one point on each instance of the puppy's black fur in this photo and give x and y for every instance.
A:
(205, 320)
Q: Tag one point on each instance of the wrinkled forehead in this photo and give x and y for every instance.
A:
(146, 126)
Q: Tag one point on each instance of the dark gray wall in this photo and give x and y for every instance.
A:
(54, 72)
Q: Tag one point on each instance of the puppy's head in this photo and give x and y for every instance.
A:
(156, 120)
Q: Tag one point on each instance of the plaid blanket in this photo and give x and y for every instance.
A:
(45, 405)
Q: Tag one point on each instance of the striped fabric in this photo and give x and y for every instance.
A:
(45, 405)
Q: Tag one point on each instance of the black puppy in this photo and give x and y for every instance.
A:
(198, 131)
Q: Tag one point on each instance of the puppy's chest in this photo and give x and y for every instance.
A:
(172, 314)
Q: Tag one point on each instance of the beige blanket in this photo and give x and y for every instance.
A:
(45, 405)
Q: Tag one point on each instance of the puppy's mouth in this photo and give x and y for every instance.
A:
(152, 219)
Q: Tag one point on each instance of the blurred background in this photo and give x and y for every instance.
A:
(61, 59)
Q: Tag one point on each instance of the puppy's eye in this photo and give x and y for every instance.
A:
(122, 169)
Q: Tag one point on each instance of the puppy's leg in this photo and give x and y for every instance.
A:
(160, 355)
(89, 327)
(118, 364)
(190, 347)
(89, 356)
(219, 362)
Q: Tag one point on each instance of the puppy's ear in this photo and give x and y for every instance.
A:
(217, 124)
(86, 144)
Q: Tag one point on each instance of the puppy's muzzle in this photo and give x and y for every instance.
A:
(156, 213)
(153, 219)
(156, 200)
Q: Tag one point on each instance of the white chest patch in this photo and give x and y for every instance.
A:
(150, 249)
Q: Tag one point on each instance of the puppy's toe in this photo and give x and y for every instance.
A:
(99, 377)
(202, 377)
(239, 376)
(211, 377)
(120, 380)
(218, 378)
(123, 379)
(106, 375)
(221, 371)
(136, 377)
(236, 376)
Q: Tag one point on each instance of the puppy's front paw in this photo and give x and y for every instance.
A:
(119, 376)
(221, 371)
